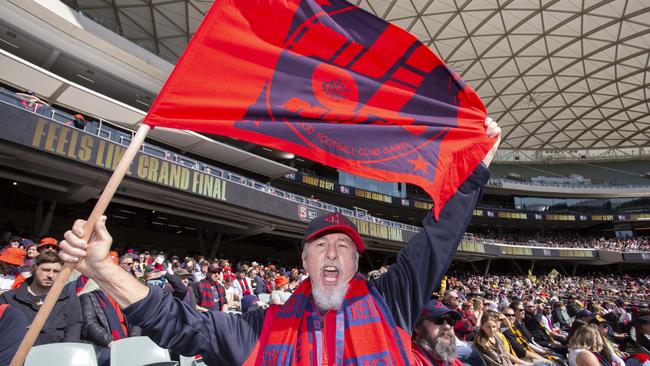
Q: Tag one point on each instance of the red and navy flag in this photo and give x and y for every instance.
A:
(330, 82)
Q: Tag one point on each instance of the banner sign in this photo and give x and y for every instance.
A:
(58, 139)
(636, 257)
(427, 205)
(521, 251)
(67, 142)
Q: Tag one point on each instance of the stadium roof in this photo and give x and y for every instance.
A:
(556, 74)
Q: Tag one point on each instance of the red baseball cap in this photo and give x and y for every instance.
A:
(281, 280)
(333, 223)
(48, 241)
(13, 256)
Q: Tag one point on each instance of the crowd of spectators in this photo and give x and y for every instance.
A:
(85, 313)
(553, 304)
(566, 240)
(634, 290)
(552, 319)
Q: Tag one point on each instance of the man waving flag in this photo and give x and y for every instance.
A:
(330, 82)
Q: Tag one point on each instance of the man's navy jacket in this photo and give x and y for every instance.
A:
(228, 339)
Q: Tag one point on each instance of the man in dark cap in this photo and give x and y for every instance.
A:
(210, 293)
(584, 315)
(573, 306)
(335, 316)
(434, 342)
(180, 285)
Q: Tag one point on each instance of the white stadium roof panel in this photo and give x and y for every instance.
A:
(549, 70)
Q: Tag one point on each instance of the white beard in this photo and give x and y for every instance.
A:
(441, 348)
(329, 299)
(445, 349)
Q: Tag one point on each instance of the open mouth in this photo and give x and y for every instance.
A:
(330, 275)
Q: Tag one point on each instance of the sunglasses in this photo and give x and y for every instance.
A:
(522, 309)
(509, 314)
(445, 319)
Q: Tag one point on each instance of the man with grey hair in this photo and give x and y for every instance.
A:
(452, 299)
(336, 316)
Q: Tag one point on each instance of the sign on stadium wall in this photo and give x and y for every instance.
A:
(48, 136)
(58, 139)
(332, 186)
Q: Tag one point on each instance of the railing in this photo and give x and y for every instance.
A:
(496, 182)
(535, 244)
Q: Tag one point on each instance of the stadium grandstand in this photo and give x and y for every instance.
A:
(564, 216)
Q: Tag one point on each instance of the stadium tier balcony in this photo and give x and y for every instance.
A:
(109, 131)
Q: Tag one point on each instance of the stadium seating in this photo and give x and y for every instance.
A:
(265, 298)
(190, 361)
(138, 351)
(62, 354)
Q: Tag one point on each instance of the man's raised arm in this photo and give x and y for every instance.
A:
(419, 267)
(222, 339)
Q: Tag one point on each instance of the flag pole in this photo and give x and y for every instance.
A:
(62, 278)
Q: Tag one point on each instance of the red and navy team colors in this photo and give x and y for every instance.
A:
(370, 328)
(328, 81)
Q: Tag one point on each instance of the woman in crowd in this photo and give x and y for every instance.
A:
(614, 355)
(491, 345)
(586, 346)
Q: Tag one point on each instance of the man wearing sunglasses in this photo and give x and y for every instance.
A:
(433, 341)
(520, 345)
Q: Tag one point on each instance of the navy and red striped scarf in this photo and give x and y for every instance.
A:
(207, 290)
(364, 329)
(117, 329)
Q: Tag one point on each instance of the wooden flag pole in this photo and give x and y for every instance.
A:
(62, 278)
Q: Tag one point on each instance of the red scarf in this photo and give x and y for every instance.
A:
(113, 314)
(365, 331)
(243, 283)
